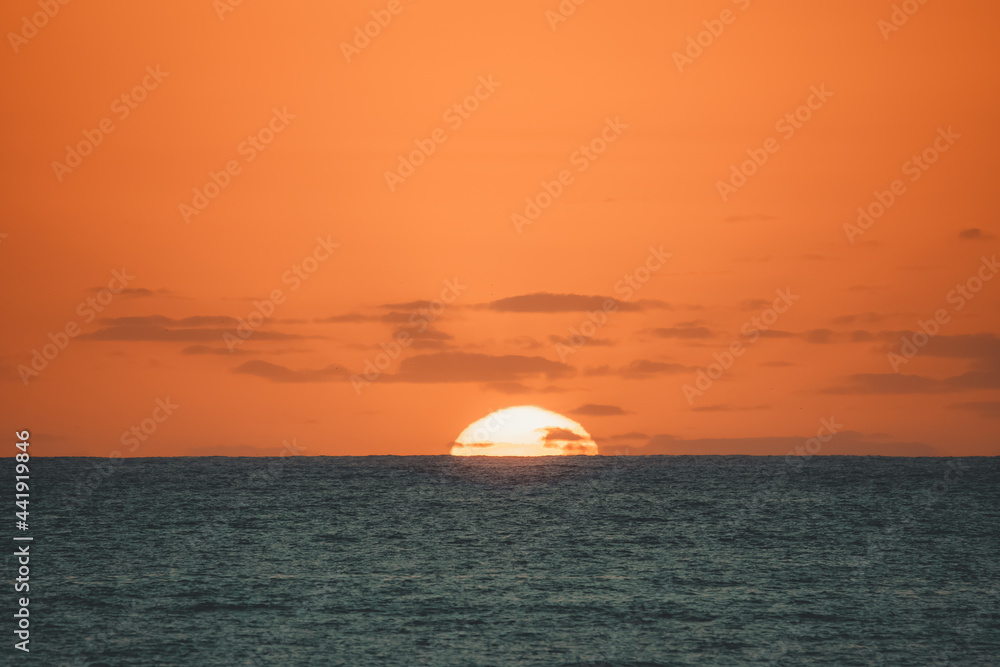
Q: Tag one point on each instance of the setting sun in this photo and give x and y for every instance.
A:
(524, 430)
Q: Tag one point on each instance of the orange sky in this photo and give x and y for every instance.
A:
(264, 97)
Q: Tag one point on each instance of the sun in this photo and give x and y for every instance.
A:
(524, 430)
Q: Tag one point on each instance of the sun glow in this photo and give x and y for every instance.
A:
(525, 430)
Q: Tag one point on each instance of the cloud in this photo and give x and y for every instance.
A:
(985, 346)
(819, 336)
(162, 328)
(348, 318)
(526, 342)
(638, 370)
(428, 339)
(205, 349)
(473, 367)
(276, 373)
(515, 388)
(408, 305)
(898, 383)
(595, 410)
(162, 320)
(510, 388)
(138, 292)
(237, 450)
(722, 407)
(422, 335)
(224, 351)
(567, 441)
(657, 304)
(888, 383)
(353, 318)
(631, 435)
(544, 302)
(845, 443)
(600, 342)
(562, 434)
(775, 333)
(417, 327)
(644, 368)
(684, 332)
(983, 351)
(396, 317)
(975, 234)
(989, 409)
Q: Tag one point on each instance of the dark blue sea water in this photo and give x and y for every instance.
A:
(555, 561)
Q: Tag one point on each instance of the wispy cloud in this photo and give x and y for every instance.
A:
(199, 328)
(975, 234)
(276, 373)
(596, 410)
(845, 443)
(545, 302)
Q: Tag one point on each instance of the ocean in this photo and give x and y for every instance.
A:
(438, 560)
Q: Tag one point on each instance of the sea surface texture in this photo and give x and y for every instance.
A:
(437, 560)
